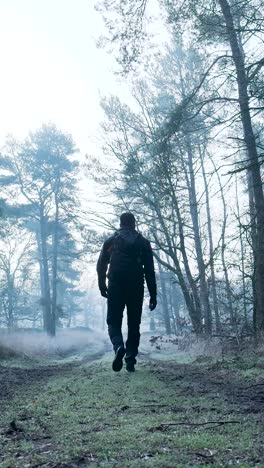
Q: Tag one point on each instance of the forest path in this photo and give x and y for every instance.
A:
(166, 414)
(27, 373)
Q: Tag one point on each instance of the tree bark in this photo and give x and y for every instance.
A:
(41, 279)
(175, 308)
(242, 250)
(54, 266)
(211, 248)
(223, 248)
(253, 232)
(10, 306)
(197, 240)
(165, 307)
(47, 319)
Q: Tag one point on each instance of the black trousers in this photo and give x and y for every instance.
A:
(123, 294)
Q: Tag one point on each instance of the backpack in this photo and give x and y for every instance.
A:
(126, 256)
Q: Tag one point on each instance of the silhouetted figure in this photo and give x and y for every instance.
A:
(130, 259)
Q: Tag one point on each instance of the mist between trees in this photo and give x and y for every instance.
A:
(185, 156)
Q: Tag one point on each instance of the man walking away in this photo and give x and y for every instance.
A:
(130, 259)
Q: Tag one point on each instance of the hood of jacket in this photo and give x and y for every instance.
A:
(128, 234)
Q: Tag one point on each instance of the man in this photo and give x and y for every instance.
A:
(130, 259)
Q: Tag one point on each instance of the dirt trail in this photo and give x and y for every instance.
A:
(214, 381)
(167, 414)
(217, 383)
(13, 378)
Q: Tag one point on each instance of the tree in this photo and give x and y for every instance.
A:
(148, 188)
(46, 178)
(217, 23)
(16, 276)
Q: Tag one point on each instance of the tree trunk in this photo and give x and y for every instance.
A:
(47, 319)
(242, 250)
(211, 248)
(223, 248)
(250, 144)
(41, 278)
(191, 185)
(10, 306)
(152, 323)
(197, 240)
(174, 301)
(253, 232)
(175, 306)
(165, 307)
(191, 297)
(54, 267)
(190, 292)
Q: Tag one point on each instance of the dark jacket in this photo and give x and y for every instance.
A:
(130, 257)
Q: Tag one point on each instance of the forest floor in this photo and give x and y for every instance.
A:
(169, 413)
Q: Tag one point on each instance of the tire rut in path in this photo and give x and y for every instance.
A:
(12, 379)
(245, 397)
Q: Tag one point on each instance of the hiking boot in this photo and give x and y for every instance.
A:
(118, 360)
(130, 367)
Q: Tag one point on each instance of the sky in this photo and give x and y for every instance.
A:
(52, 70)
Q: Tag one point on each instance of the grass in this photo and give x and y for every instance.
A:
(90, 416)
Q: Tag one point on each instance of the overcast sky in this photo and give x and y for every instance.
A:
(51, 69)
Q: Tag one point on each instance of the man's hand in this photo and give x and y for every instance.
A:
(152, 303)
(103, 288)
(104, 292)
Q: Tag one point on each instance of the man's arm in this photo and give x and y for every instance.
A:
(102, 265)
(150, 275)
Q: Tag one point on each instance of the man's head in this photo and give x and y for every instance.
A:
(127, 220)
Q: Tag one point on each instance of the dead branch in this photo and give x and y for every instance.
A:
(163, 426)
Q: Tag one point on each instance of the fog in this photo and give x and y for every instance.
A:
(131, 180)
(144, 127)
(34, 345)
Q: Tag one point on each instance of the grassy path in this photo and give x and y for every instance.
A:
(164, 415)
